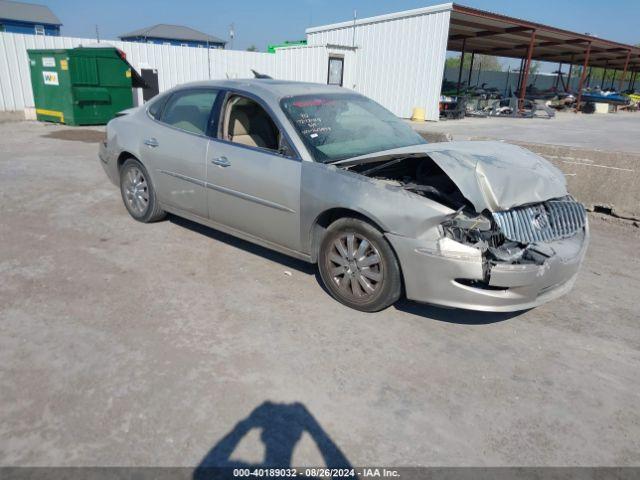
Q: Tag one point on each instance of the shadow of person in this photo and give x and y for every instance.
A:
(282, 426)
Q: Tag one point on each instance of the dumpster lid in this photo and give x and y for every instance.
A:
(136, 79)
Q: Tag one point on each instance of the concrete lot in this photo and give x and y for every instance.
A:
(612, 132)
(131, 344)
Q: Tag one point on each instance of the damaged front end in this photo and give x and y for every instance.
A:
(513, 242)
(492, 253)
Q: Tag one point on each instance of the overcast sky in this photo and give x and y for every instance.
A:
(260, 22)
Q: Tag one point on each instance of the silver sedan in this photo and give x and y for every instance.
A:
(329, 176)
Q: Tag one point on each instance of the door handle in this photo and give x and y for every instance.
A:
(151, 142)
(221, 162)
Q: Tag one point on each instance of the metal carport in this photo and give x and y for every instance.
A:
(477, 31)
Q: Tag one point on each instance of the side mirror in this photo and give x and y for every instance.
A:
(283, 147)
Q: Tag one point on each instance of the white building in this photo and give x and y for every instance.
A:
(398, 59)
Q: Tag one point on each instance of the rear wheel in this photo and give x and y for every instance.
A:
(138, 194)
(358, 266)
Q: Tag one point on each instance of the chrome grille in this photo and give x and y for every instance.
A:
(543, 222)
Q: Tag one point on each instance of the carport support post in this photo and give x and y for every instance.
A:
(613, 79)
(473, 54)
(555, 84)
(569, 74)
(604, 74)
(464, 41)
(523, 88)
(624, 72)
(506, 84)
(479, 72)
(520, 72)
(583, 76)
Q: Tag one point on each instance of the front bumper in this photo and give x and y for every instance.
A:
(431, 277)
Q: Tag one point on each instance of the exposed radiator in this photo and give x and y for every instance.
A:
(543, 222)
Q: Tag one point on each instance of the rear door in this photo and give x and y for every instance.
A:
(176, 147)
(251, 188)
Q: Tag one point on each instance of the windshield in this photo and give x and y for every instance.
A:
(339, 126)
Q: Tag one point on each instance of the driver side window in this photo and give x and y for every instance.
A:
(247, 123)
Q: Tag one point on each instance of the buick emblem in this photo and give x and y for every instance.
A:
(540, 221)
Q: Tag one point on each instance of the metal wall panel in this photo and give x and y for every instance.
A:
(175, 64)
(399, 59)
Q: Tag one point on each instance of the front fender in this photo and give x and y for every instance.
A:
(394, 210)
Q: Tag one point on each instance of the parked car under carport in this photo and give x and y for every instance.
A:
(326, 175)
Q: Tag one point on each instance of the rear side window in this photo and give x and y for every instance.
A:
(156, 107)
(190, 110)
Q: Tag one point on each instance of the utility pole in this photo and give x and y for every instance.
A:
(97, 34)
(353, 35)
(209, 59)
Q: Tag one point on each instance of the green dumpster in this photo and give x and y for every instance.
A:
(81, 86)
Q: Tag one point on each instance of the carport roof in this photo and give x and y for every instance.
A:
(494, 34)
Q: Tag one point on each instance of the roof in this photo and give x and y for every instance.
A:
(383, 18)
(173, 32)
(494, 34)
(27, 12)
(269, 88)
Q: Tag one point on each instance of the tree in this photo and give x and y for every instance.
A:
(486, 62)
(534, 68)
(598, 77)
(252, 48)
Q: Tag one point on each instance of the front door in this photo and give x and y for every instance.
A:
(253, 181)
(177, 149)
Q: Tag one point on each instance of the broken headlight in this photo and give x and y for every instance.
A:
(472, 229)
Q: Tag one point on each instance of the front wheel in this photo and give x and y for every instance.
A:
(358, 266)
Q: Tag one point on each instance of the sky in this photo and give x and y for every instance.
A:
(260, 22)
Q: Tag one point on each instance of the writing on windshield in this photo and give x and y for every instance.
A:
(339, 126)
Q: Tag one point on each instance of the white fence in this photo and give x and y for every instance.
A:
(175, 65)
(366, 70)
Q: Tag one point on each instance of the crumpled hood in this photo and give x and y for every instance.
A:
(498, 176)
(494, 176)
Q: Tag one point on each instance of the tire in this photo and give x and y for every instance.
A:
(363, 276)
(138, 194)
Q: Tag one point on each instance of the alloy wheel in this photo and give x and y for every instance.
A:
(355, 266)
(136, 191)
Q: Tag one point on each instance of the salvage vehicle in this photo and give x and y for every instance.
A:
(326, 175)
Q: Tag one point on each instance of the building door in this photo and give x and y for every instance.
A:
(336, 68)
(150, 77)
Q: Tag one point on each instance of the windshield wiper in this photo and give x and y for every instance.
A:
(374, 157)
(382, 165)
